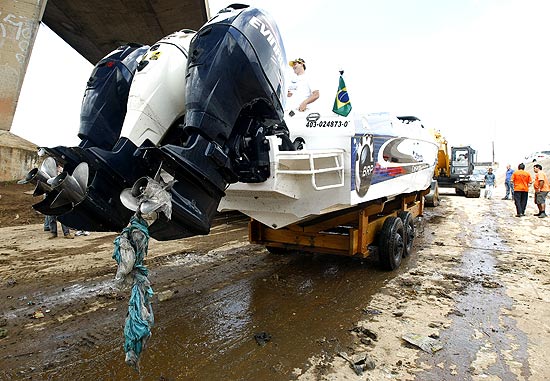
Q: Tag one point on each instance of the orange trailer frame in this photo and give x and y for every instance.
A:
(351, 232)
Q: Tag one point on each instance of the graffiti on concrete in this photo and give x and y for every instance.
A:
(17, 32)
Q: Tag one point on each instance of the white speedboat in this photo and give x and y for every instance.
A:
(345, 161)
(202, 115)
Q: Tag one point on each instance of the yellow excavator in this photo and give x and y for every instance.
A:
(453, 171)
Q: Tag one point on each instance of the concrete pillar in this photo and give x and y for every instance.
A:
(19, 21)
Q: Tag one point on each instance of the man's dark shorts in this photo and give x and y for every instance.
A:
(540, 197)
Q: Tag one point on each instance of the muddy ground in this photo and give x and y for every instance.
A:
(475, 290)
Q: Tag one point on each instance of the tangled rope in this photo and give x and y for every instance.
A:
(129, 252)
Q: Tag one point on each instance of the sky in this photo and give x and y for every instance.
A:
(477, 70)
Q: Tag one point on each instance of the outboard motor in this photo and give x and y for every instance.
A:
(96, 163)
(93, 163)
(156, 103)
(234, 96)
(234, 90)
(110, 105)
(104, 104)
(196, 119)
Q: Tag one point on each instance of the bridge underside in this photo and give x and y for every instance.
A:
(96, 27)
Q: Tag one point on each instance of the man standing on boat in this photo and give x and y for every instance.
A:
(300, 91)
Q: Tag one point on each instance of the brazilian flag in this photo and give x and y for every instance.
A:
(342, 105)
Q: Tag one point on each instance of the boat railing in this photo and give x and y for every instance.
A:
(325, 167)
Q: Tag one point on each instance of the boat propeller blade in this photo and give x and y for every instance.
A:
(40, 179)
(49, 167)
(72, 189)
(81, 174)
(148, 196)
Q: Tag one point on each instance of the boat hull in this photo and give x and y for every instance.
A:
(345, 162)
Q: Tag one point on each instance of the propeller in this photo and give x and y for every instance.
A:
(42, 177)
(71, 188)
(149, 196)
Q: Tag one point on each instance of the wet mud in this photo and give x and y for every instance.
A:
(237, 312)
(477, 323)
(304, 303)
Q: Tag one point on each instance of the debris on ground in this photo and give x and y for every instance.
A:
(365, 362)
(427, 344)
(356, 368)
(365, 331)
(165, 295)
(262, 338)
(371, 311)
(490, 284)
(38, 314)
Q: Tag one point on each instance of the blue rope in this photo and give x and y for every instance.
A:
(140, 318)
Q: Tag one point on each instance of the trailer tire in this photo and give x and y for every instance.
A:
(392, 243)
(408, 231)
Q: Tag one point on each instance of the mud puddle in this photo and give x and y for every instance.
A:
(299, 304)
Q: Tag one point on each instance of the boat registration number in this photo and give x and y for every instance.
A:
(327, 123)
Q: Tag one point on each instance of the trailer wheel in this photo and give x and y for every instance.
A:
(392, 244)
(408, 227)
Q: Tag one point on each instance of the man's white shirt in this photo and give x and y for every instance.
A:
(301, 89)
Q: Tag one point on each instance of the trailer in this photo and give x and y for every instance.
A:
(384, 226)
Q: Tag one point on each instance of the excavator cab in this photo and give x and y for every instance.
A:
(462, 162)
(454, 171)
(462, 169)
